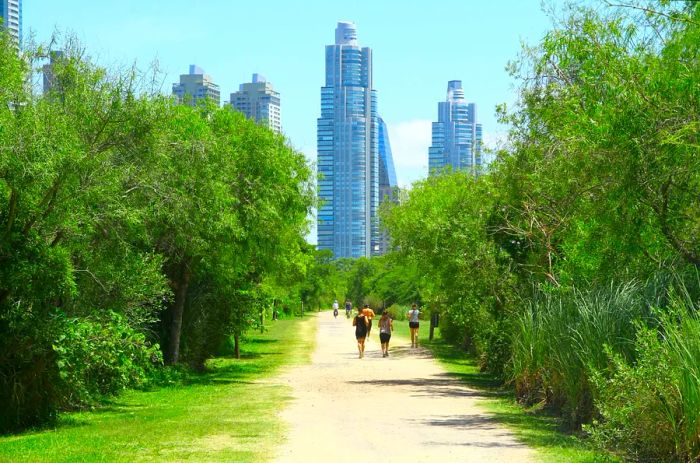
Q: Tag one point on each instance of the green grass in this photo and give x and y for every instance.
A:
(533, 428)
(220, 415)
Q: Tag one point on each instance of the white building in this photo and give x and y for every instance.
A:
(195, 87)
(259, 101)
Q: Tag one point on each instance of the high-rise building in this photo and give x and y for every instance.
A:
(388, 187)
(456, 135)
(195, 87)
(348, 151)
(260, 102)
(48, 71)
(11, 15)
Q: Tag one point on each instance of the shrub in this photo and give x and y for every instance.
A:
(561, 336)
(97, 358)
(651, 409)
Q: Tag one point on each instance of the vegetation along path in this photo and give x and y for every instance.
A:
(397, 409)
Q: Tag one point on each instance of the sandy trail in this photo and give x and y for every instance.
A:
(403, 408)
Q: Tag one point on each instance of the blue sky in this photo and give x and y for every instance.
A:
(418, 46)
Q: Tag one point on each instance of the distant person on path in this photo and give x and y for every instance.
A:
(360, 323)
(369, 314)
(348, 308)
(335, 308)
(413, 324)
(386, 326)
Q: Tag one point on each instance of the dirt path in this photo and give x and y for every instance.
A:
(403, 408)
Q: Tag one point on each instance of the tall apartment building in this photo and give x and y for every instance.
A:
(11, 14)
(195, 87)
(457, 136)
(259, 101)
(348, 150)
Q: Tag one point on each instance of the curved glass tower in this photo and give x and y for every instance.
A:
(456, 135)
(348, 150)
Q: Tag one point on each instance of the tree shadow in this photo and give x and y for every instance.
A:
(535, 427)
(435, 386)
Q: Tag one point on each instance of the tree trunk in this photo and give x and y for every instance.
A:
(178, 310)
(237, 346)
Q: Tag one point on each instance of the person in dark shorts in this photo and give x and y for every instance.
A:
(360, 323)
(413, 324)
(386, 326)
(369, 315)
(348, 308)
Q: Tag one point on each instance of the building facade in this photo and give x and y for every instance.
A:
(11, 14)
(456, 140)
(259, 101)
(348, 150)
(48, 71)
(388, 187)
(195, 87)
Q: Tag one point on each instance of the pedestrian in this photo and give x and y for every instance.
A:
(348, 308)
(413, 324)
(360, 324)
(386, 326)
(335, 308)
(369, 314)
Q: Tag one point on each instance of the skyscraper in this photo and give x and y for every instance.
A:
(11, 14)
(49, 71)
(387, 179)
(195, 87)
(456, 134)
(260, 102)
(348, 151)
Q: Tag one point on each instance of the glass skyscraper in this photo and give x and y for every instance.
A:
(387, 179)
(11, 14)
(348, 150)
(457, 136)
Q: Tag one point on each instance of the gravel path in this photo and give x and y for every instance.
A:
(403, 408)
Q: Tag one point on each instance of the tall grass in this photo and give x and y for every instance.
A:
(650, 409)
(625, 358)
(561, 336)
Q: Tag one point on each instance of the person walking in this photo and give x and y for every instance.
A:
(369, 314)
(348, 308)
(386, 326)
(413, 324)
(360, 324)
(335, 308)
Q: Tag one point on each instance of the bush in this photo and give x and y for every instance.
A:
(97, 358)
(28, 371)
(397, 312)
(651, 409)
(560, 337)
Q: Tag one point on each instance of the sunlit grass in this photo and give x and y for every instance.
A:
(225, 414)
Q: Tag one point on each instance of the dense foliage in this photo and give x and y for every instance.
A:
(131, 230)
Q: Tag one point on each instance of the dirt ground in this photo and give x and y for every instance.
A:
(403, 408)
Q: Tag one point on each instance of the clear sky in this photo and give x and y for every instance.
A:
(417, 45)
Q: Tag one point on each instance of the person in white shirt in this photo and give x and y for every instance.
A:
(413, 324)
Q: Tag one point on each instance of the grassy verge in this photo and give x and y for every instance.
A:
(225, 414)
(538, 431)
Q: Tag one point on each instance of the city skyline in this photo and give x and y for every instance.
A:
(415, 53)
